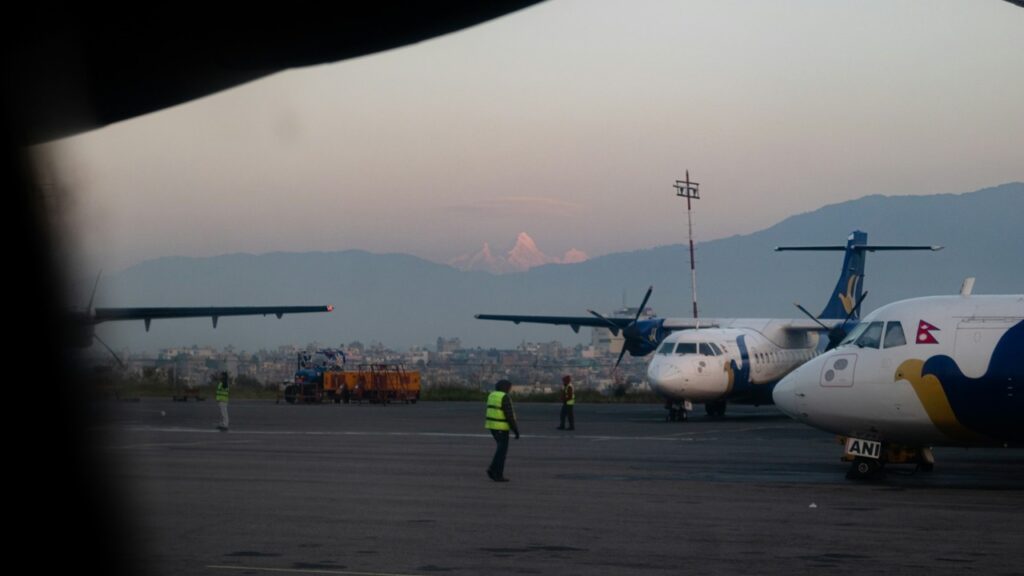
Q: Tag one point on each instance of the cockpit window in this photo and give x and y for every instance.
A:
(894, 335)
(871, 337)
(718, 351)
(686, 348)
(666, 348)
(855, 333)
(706, 349)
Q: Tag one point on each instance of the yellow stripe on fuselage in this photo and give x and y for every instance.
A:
(935, 402)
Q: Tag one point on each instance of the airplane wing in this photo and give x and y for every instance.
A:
(592, 321)
(802, 325)
(573, 322)
(691, 323)
(150, 314)
(671, 324)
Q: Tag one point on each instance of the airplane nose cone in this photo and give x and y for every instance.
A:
(662, 375)
(785, 397)
(791, 394)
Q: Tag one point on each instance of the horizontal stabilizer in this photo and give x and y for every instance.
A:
(863, 247)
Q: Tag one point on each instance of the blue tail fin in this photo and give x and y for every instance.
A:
(850, 287)
(849, 290)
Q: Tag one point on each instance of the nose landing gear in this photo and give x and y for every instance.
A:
(678, 411)
(868, 458)
(865, 469)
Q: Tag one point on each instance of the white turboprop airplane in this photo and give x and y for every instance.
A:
(720, 360)
(940, 370)
(739, 362)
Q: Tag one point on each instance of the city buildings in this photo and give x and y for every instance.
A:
(531, 366)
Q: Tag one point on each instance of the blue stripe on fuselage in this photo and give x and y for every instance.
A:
(741, 374)
(993, 404)
(743, 390)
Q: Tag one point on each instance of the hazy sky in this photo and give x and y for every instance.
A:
(570, 121)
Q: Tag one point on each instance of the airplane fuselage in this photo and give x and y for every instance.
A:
(739, 363)
(944, 370)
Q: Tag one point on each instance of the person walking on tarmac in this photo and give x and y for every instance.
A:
(568, 402)
(222, 401)
(501, 418)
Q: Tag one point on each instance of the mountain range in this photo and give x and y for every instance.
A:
(521, 257)
(401, 300)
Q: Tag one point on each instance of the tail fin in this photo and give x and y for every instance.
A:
(849, 288)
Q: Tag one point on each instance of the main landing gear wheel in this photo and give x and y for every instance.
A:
(715, 409)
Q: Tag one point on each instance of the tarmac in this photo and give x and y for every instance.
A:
(401, 490)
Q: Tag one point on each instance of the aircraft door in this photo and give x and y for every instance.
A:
(978, 334)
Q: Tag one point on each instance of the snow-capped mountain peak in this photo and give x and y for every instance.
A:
(525, 254)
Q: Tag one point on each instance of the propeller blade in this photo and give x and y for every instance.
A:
(621, 354)
(92, 296)
(611, 325)
(854, 310)
(643, 304)
(856, 307)
(837, 334)
(809, 315)
(109, 349)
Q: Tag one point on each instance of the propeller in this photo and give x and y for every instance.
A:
(109, 349)
(836, 334)
(89, 313)
(629, 330)
(95, 285)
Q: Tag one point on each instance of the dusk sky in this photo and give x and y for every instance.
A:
(569, 121)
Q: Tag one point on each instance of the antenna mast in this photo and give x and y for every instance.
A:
(689, 190)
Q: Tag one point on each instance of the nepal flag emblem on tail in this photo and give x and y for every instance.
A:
(924, 333)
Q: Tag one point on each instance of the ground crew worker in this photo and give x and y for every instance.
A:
(222, 401)
(568, 402)
(501, 418)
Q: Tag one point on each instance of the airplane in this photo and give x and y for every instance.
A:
(719, 360)
(917, 373)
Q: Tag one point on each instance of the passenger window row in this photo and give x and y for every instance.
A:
(682, 348)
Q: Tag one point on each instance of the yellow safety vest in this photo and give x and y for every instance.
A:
(222, 392)
(565, 391)
(495, 415)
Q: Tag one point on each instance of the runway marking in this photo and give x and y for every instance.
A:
(174, 444)
(300, 432)
(305, 571)
(722, 430)
(599, 438)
